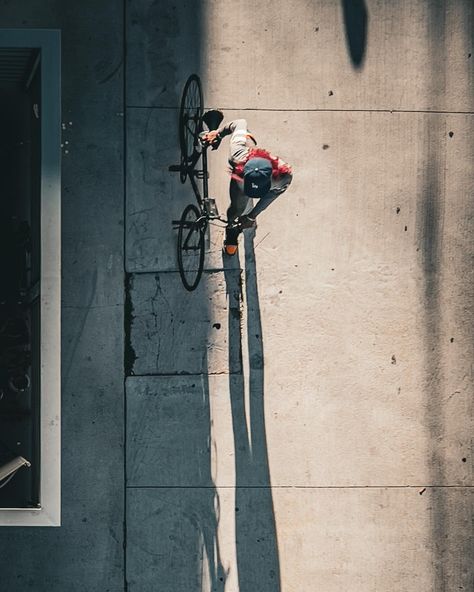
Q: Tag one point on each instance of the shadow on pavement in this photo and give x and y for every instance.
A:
(198, 518)
(356, 24)
(447, 512)
(256, 538)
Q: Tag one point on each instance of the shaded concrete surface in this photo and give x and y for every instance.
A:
(174, 332)
(172, 540)
(86, 552)
(172, 506)
(154, 197)
(164, 41)
(431, 220)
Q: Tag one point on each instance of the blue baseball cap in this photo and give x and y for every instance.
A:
(257, 177)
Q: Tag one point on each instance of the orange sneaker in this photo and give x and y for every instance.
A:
(231, 240)
(230, 249)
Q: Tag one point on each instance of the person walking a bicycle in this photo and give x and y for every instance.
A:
(255, 173)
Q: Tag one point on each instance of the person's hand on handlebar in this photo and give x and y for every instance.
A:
(212, 138)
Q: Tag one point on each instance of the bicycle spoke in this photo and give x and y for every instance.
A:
(192, 233)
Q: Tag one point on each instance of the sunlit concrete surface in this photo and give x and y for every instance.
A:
(352, 294)
(296, 55)
(352, 417)
(326, 442)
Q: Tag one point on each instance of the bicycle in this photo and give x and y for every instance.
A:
(195, 220)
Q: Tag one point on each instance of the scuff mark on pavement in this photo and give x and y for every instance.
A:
(129, 353)
(261, 241)
(112, 74)
(87, 309)
(452, 394)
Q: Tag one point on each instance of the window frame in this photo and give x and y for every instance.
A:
(48, 41)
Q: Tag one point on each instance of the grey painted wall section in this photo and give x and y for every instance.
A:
(86, 552)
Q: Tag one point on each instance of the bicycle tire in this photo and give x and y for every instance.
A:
(190, 120)
(190, 247)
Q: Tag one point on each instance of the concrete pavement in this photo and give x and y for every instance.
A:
(302, 421)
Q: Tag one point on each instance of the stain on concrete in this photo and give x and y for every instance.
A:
(129, 353)
(112, 73)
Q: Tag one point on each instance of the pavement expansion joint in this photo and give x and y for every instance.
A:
(314, 110)
(324, 487)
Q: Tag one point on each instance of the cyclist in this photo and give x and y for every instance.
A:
(255, 173)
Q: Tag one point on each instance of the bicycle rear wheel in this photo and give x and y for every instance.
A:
(191, 247)
(190, 120)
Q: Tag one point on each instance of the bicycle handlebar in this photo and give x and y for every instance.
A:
(205, 144)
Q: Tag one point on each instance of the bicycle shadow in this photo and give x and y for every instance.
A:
(256, 538)
(203, 520)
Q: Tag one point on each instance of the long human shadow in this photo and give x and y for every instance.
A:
(356, 18)
(256, 537)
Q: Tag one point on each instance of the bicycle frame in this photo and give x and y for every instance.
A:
(206, 205)
(193, 227)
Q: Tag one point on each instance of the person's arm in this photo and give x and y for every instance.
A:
(226, 129)
(238, 141)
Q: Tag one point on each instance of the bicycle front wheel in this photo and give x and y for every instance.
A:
(190, 120)
(191, 247)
